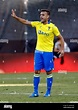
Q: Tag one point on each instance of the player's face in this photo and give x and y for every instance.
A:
(44, 17)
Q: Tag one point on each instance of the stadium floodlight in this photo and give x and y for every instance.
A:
(25, 3)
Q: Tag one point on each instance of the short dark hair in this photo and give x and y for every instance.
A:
(46, 10)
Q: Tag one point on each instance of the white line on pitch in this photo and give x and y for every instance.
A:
(21, 84)
(68, 94)
(16, 93)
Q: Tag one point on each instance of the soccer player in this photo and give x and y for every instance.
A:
(43, 55)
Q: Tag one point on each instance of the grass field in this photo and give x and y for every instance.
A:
(16, 88)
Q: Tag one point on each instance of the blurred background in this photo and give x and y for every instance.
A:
(18, 38)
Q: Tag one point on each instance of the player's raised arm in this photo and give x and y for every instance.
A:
(26, 22)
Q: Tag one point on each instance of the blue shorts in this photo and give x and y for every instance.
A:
(43, 60)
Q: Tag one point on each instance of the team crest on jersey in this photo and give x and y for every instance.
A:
(48, 28)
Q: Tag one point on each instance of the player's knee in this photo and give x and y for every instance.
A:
(37, 71)
(49, 72)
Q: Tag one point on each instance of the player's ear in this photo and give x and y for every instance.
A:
(48, 16)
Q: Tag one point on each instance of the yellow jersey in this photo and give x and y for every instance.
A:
(45, 35)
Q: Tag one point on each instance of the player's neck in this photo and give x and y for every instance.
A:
(46, 22)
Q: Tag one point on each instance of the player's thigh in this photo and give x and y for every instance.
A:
(48, 61)
(38, 61)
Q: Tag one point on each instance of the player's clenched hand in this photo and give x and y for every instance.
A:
(13, 13)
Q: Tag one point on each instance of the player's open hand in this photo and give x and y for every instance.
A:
(13, 13)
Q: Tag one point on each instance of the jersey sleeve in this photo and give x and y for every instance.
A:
(56, 31)
(34, 23)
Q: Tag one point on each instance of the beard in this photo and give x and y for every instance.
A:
(43, 21)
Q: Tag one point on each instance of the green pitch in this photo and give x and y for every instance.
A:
(16, 88)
